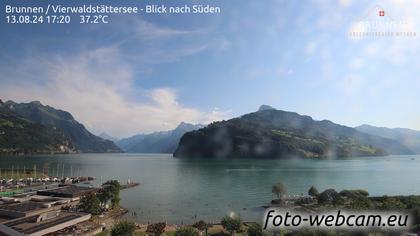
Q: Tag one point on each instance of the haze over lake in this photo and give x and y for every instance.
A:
(183, 191)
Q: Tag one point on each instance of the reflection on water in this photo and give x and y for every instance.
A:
(181, 191)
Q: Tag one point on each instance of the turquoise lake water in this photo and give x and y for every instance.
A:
(183, 191)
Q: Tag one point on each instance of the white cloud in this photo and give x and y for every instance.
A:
(97, 88)
(150, 31)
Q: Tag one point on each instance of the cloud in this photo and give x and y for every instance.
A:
(100, 85)
(97, 88)
(150, 31)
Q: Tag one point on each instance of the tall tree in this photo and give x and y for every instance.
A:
(279, 190)
(110, 192)
(313, 191)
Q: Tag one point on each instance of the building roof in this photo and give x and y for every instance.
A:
(31, 226)
(68, 191)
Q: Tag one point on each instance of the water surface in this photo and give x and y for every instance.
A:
(182, 191)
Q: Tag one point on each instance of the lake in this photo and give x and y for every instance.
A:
(183, 191)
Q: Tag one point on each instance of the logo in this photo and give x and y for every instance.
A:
(378, 23)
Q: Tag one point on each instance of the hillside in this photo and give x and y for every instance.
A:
(80, 137)
(20, 136)
(157, 142)
(271, 133)
(408, 137)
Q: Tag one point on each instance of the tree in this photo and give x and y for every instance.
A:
(110, 191)
(255, 230)
(123, 228)
(279, 190)
(186, 231)
(416, 216)
(90, 204)
(313, 191)
(115, 202)
(201, 226)
(231, 224)
(104, 195)
(156, 229)
(360, 203)
(392, 204)
(329, 196)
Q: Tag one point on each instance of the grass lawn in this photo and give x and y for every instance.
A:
(103, 233)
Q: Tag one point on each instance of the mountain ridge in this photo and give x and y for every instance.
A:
(21, 136)
(156, 142)
(81, 139)
(271, 133)
(408, 137)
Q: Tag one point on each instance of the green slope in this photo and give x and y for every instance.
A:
(271, 133)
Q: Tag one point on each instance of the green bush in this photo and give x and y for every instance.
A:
(329, 196)
(392, 204)
(186, 231)
(255, 230)
(354, 193)
(360, 203)
(123, 228)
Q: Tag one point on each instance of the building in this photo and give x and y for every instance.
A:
(43, 213)
(46, 223)
(67, 191)
(24, 209)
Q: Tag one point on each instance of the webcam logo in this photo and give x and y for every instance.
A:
(378, 22)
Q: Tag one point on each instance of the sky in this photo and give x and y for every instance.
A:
(149, 72)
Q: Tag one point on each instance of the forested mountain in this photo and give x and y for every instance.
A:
(21, 136)
(271, 133)
(157, 142)
(408, 137)
(62, 121)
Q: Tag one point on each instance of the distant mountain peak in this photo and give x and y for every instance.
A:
(265, 107)
(188, 126)
(108, 137)
(36, 103)
(157, 142)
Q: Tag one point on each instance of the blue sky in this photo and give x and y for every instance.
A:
(143, 73)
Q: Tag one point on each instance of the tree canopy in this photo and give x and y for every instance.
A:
(110, 192)
(90, 204)
(231, 224)
(255, 230)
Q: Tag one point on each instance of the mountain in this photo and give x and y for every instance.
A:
(108, 137)
(408, 137)
(272, 133)
(265, 107)
(80, 137)
(157, 142)
(21, 136)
